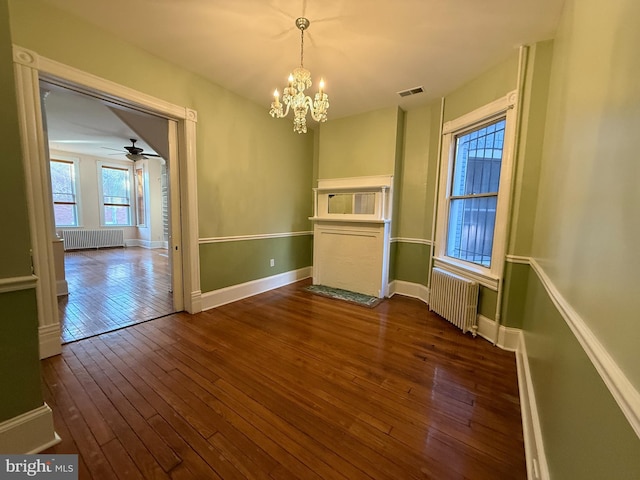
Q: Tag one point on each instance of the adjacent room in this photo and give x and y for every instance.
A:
(110, 206)
(338, 239)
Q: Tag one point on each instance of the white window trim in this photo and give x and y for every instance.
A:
(76, 172)
(132, 193)
(503, 107)
(141, 223)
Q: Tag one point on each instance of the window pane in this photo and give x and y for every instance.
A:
(116, 215)
(115, 185)
(62, 180)
(471, 225)
(64, 193)
(65, 215)
(478, 160)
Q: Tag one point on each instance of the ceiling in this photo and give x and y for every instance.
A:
(78, 123)
(365, 50)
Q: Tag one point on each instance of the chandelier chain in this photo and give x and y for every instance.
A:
(302, 47)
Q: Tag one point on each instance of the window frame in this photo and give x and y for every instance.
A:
(140, 188)
(504, 107)
(102, 205)
(76, 189)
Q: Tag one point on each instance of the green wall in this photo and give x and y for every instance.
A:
(254, 173)
(586, 436)
(227, 263)
(491, 85)
(587, 222)
(360, 145)
(19, 358)
(585, 239)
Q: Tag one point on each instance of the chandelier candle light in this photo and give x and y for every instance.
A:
(294, 97)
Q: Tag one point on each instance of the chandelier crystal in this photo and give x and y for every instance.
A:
(294, 97)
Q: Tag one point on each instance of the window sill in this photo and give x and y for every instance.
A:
(467, 270)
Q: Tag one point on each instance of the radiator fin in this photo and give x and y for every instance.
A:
(79, 239)
(455, 298)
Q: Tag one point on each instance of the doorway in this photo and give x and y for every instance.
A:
(30, 68)
(110, 210)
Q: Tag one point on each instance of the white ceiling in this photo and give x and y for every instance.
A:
(366, 51)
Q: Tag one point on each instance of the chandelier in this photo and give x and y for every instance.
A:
(294, 98)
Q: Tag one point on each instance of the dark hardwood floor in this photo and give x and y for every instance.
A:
(112, 288)
(289, 385)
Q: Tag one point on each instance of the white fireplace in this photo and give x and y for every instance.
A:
(352, 219)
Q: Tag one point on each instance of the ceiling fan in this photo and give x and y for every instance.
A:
(135, 153)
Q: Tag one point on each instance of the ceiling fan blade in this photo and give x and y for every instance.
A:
(114, 149)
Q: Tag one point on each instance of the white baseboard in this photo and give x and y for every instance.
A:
(28, 433)
(507, 339)
(408, 289)
(234, 293)
(62, 288)
(196, 302)
(537, 468)
(49, 340)
(136, 242)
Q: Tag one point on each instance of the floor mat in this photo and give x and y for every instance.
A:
(346, 295)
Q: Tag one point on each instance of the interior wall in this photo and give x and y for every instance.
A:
(254, 173)
(19, 356)
(585, 240)
(360, 145)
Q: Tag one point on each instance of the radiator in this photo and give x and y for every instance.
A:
(455, 298)
(77, 239)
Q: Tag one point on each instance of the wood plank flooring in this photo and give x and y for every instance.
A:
(112, 288)
(289, 385)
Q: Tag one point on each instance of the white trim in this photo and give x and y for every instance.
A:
(14, 284)
(482, 114)
(148, 244)
(537, 468)
(263, 236)
(518, 259)
(28, 433)
(508, 338)
(49, 340)
(506, 107)
(29, 68)
(409, 289)
(623, 391)
(62, 288)
(234, 293)
(355, 182)
(449, 264)
(420, 241)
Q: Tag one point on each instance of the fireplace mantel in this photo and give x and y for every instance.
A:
(352, 219)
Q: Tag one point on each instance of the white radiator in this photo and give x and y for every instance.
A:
(455, 298)
(77, 239)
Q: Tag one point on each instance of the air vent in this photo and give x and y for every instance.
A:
(411, 91)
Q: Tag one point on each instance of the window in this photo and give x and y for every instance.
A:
(474, 191)
(140, 211)
(116, 195)
(63, 188)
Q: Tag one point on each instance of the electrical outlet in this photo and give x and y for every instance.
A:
(272, 262)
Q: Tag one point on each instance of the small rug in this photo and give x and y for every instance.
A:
(346, 295)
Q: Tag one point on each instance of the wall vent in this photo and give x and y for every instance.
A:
(411, 91)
